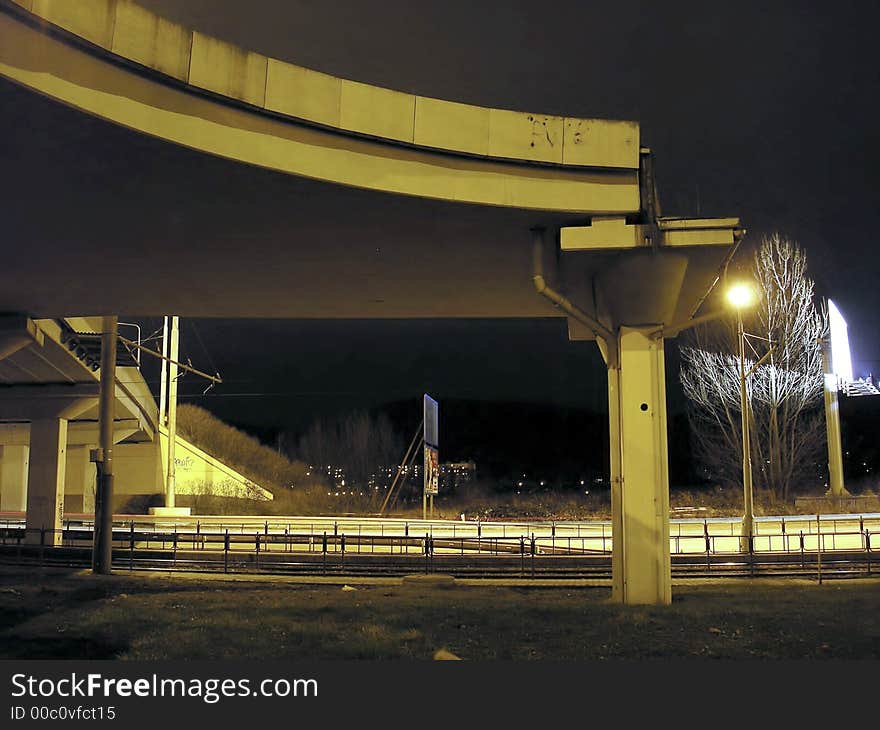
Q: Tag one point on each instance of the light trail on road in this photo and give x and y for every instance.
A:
(687, 535)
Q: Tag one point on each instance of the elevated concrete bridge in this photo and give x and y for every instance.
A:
(49, 390)
(290, 193)
(49, 423)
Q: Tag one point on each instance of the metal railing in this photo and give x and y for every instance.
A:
(533, 553)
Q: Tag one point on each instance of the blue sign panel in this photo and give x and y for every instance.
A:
(432, 428)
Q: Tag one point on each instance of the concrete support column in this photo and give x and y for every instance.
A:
(13, 477)
(45, 491)
(79, 482)
(639, 470)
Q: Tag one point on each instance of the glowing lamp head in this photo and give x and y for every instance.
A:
(740, 296)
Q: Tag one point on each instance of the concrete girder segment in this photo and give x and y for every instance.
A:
(383, 193)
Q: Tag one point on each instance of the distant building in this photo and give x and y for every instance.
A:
(457, 474)
(452, 475)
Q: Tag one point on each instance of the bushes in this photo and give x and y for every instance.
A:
(242, 452)
(296, 491)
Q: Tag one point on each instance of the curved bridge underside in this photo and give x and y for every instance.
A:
(121, 63)
(391, 205)
(386, 205)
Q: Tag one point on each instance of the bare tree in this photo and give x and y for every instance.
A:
(785, 392)
(360, 444)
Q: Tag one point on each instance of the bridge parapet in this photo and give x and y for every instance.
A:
(130, 32)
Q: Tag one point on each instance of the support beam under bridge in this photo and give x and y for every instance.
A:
(639, 470)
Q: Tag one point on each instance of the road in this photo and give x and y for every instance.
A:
(789, 533)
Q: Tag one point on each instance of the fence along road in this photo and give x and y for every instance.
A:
(718, 535)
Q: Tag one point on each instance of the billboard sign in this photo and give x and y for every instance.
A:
(432, 470)
(432, 444)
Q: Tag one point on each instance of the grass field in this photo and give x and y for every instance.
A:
(64, 614)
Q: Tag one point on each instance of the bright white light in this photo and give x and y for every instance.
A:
(740, 295)
(841, 359)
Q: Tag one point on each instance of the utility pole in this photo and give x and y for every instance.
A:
(102, 554)
(174, 366)
(172, 410)
(163, 381)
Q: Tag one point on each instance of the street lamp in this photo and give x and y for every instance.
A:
(741, 296)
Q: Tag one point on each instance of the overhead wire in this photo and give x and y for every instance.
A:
(198, 335)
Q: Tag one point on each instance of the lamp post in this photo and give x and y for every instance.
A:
(740, 296)
(837, 367)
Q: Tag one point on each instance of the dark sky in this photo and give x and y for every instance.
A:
(764, 110)
(285, 373)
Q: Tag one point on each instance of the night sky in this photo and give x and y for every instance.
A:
(285, 373)
(763, 110)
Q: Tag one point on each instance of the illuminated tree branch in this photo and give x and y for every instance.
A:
(785, 393)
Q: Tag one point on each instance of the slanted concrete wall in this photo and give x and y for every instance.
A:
(197, 472)
(139, 472)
